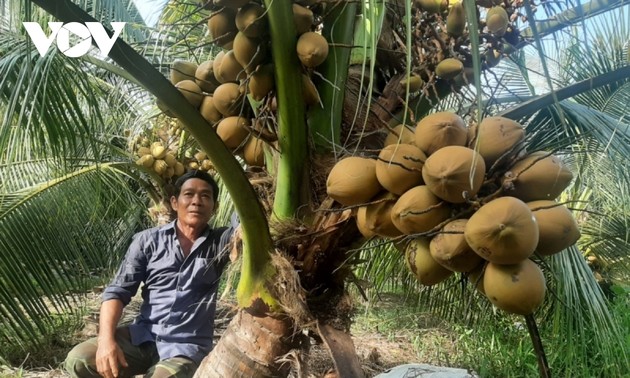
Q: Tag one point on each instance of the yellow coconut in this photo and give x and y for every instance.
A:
(248, 52)
(352, 181)
(503, 231)
(517, 289)
(438, 130)
(228, 68)
(418, 210)
(204, 77)
(146, 161)
(395, 137)
(449, 68)
(309, 91)
(399, 167)
(376, 217)
(539, 176)
(253, 152)
(228, 99)
(456, 20)
(422, 265)
(414, 81)
(497, 21)
(261, 82)
(432, 6)
(191, 91)
(233, 131)
(557, 228)
(182, 70)
(251, 20)
(208, 111)
(495, 137)
(454, 173)
(312, 49)
(362, 223)
(302, 18)
(450, 249)
(222, 27)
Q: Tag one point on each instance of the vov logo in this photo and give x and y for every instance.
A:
(85, 33)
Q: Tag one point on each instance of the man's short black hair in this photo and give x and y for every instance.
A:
(202, 175)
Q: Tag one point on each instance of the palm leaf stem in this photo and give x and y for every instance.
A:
(325, 121)
(292, 131)
(535, 104)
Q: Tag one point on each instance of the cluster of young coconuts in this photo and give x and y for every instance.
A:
(469, 200)
(159, 152)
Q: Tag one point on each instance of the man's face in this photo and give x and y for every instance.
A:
(195, 204)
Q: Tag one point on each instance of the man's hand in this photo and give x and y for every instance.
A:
(109, 357)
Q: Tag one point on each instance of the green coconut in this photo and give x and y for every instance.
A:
(496, 137)
(352, 181)
(182, 70)
(204, 77)
(454, 173)
(233, 131)
(503, 231)
(312, 49)
(399, 167)
(456, 20)
(228, 99)
(251, 20)
(419, 261)
(438, 130)
(376, 217)
(557, 227)
(418, 210)
(538, 176)
(517, 289)
(450, 249)
(497, 21)
(449, 68)
(191, 91)
(414, 81)
(222, 27)
(395, 137)
(431, 6)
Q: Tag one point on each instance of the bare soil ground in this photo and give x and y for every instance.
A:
(378, 346)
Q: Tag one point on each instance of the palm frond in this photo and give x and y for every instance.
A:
(48, 257)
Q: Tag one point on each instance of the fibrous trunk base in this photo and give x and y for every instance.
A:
(250, 347)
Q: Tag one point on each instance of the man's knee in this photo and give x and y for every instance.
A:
(81, 360)
(177, 367)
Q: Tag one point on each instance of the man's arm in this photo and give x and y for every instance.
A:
(108, 354)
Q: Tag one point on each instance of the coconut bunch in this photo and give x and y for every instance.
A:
(468, 199)
(198, 161)
(441, 47)
(219, 87)
(161, 160)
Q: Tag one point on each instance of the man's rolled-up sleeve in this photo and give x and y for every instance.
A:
(130, 274)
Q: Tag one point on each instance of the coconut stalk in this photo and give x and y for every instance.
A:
(256, 270)
(543, 366)
(325, 121)
(291, 191)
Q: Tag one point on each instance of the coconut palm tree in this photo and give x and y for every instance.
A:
(319, 237)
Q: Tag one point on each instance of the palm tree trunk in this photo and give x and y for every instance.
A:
(251, 347)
